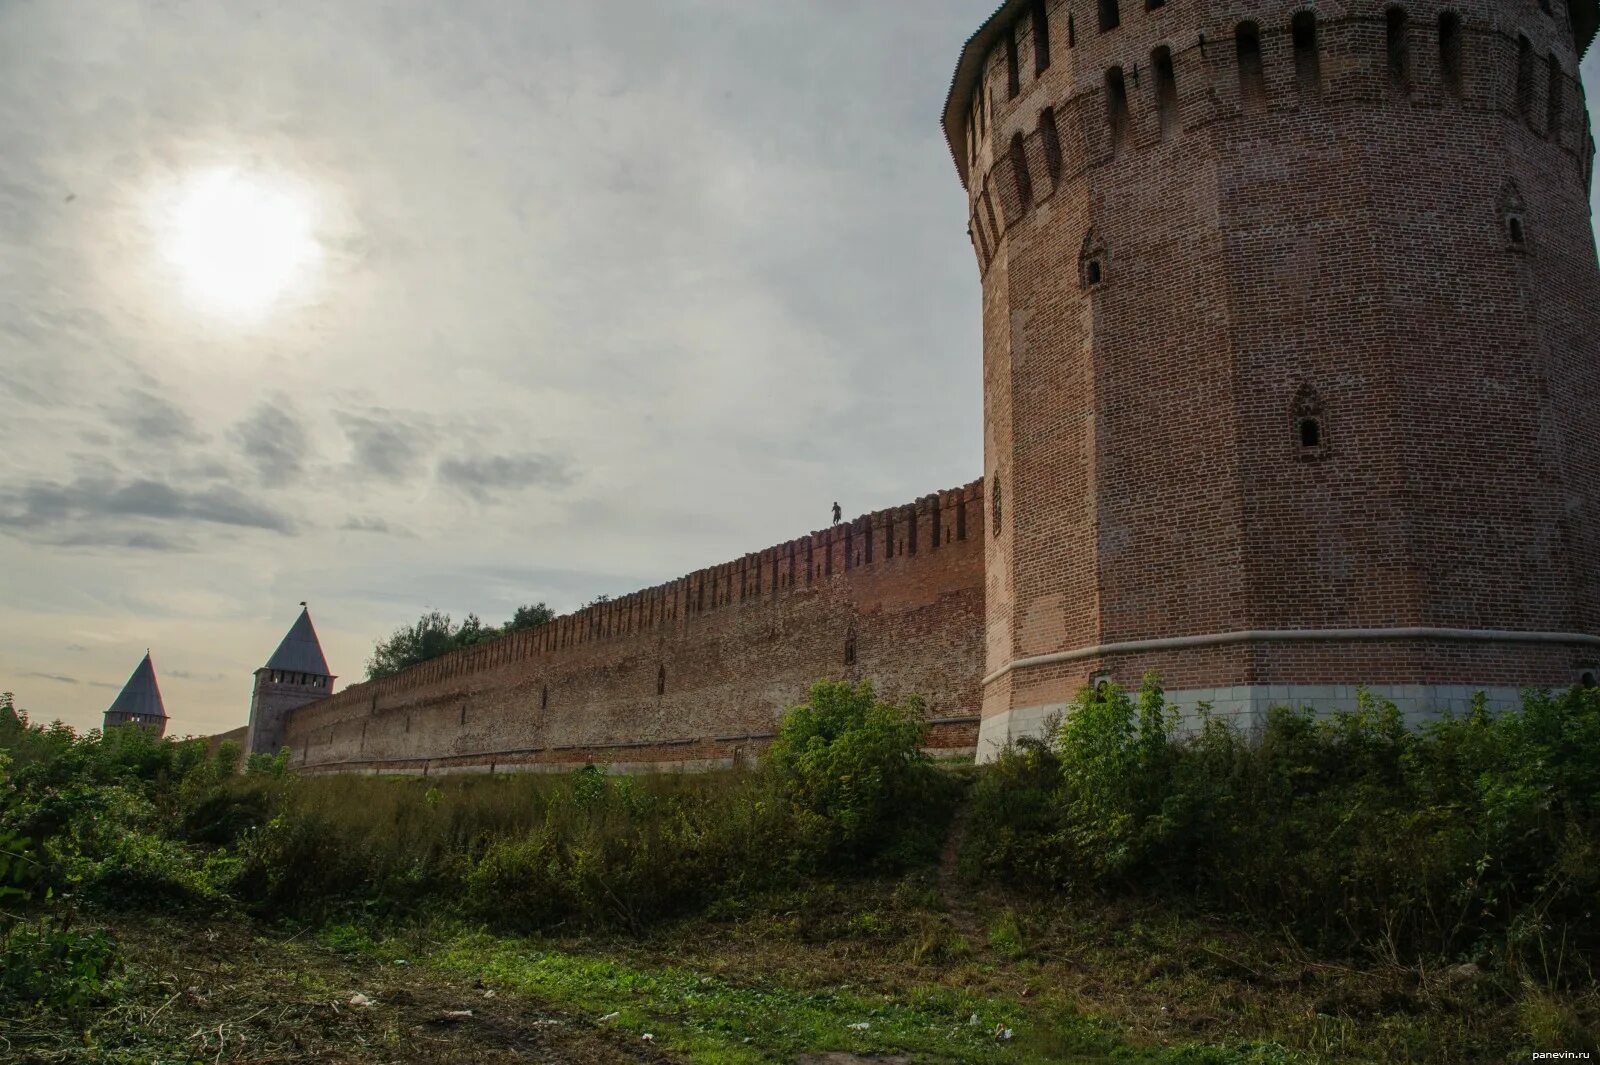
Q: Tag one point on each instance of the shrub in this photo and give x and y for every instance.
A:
(852, 770)
(1472, 834)
(50, 964)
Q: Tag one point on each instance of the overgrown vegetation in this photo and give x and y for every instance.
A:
(434, 634)
(1471, 839)
(1343, 885)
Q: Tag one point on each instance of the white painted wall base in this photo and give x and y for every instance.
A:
(1247, 704)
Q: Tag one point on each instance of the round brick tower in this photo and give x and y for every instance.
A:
(1291, 350)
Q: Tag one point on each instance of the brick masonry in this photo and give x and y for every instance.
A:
(1380, 227)
(694, 673)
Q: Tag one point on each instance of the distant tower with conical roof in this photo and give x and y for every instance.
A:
(296, 674)
(139, 703)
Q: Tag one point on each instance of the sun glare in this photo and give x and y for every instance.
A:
(239, 241)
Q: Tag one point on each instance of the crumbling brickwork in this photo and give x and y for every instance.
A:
(697, 672)
(1290, 347)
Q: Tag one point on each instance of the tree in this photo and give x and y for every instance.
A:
(434, 634)
(530, 617)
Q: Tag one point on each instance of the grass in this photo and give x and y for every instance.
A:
(771, 978)
(772, 1012)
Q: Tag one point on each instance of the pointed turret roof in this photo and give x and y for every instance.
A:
(141, 695)
(300, 651)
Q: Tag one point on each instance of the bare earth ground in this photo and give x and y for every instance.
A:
(917, 969)
(218, 991)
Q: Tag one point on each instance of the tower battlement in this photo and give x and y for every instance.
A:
(1169, 72)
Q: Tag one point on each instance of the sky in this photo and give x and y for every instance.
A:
(543, 301)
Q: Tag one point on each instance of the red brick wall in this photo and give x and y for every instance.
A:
(731, 646)
(1347, 235)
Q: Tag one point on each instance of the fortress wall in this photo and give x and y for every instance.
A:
(695, 672)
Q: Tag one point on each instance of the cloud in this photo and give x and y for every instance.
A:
(147, 417)
(274, 441)
(370, 524)
(58, 678)
(479, 475)
(208, 678)
(94, 510)
(389, 445)
(105, 536)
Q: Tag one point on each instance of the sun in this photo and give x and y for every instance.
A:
(240, 240)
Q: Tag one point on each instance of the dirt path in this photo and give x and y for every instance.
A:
(957, 896)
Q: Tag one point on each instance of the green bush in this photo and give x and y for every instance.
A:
(853, 773)
(1471, 835)
(50, 964)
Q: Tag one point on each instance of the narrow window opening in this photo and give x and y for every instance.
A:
(1450, 51)
(1544, 6)
(1524, 76)
(1013, 77)
(1110, 16)
(1553, 100)
(850, 648)
(544, 697)
(1309, 422)
(1116, 104)
(1091, 272)
(911, 531)
(1307, 61)
(1166, 89)
(888, 537)
(1151, 5)
(1399, 52)
(1588, 678)
(661, 680)
(1072, 31)
(994, 503)
(1019, 167)
(1514, 230)
(961, 521)
(1252, 77)
(1052, 144)
(1041, 40)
